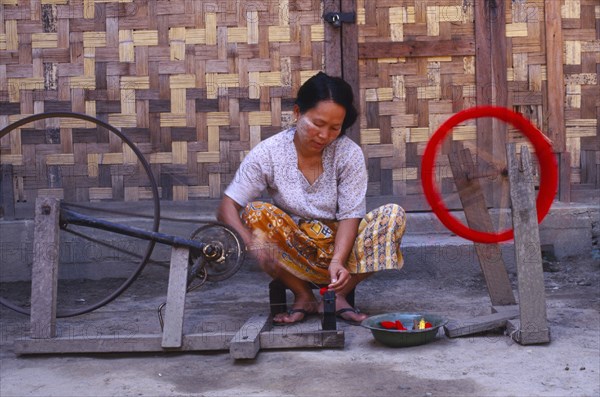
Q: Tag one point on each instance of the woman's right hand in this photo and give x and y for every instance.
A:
(257, 245)
(264, 253)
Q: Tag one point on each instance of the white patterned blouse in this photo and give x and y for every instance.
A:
(338, 193)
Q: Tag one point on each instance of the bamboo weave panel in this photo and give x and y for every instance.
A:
(405, 98)
(195, 84)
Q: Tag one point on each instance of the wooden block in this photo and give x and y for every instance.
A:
(44, 279)
(456, 328)
(245, 343)
(528, 336)
(173, 328)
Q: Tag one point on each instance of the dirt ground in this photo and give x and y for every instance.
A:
(489, 364)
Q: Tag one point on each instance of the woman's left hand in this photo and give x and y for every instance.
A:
(339, 277)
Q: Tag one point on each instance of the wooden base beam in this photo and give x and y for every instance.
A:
(276, 338)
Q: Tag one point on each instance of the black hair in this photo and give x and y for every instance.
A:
(322, 87)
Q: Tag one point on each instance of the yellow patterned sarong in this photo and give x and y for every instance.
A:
(305, 248)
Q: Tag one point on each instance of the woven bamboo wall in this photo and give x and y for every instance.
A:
(406, 98)
(196, 84)
(581, 35)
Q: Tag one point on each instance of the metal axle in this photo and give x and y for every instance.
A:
(69, 217)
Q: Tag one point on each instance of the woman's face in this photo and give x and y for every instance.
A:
(319, 126)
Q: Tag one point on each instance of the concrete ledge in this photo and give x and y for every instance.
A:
(427, 245)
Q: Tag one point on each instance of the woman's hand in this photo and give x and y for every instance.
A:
(264, 253)
(339, 277)
(256, 245)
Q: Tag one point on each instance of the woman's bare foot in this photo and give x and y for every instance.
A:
(346, 312)
(303, 306)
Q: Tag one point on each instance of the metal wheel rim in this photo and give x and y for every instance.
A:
(155, 200)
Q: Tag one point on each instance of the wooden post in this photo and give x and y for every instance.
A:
(532, 302)
(564, 177)
(341, 53)
(333, 41)
(478, 218)
(44, 272)
(554, 71)
(7, 193)
(556, 95)
(492, 87)
(349, 61)
(173, 329)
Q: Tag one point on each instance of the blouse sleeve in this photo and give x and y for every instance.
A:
(251, 178)
(352, 185)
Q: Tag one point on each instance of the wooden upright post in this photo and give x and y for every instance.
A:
(556, 95)
(44, 272)
(341, 53)
(7, 193)
(173, 329)
(533, 327)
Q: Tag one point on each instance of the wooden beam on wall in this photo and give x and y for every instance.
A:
(556, 94)
(341, 53)
(414, 48)
(489, 86)
(555, 75)
(333, 41)
(349, 59)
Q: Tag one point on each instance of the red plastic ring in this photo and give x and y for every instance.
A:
(543, 151)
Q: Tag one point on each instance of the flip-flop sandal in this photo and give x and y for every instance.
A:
(292, 311)
(339, 313)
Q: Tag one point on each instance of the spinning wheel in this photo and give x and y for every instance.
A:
(543, 149)
(216, 252)
(63, 125)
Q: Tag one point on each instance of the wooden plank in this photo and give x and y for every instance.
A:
(414, 48)
(475, 325)
(173, 329)
(528, 256)
(44, 272)
(554, 72)
(588, 167)
(478, 218)
(126, 343)
(286, 337)
(484, 88)
(556, 94)
(7, 193)
(500, 82)
(245, 343)
(350, 73)
(564, 177)
(333, 41)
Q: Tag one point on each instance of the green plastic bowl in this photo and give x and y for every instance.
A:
(410, 337)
